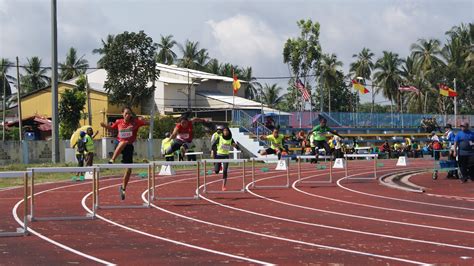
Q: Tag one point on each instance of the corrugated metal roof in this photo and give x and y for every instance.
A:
(240, 103)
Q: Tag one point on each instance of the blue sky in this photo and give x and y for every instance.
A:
(247, 33)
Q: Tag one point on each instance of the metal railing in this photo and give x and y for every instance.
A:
(245, 121)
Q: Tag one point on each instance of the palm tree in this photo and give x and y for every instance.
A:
(213, 66)
(202, 59)
(35, 77)
(388, 76)
(411, 74)
(270, 95)
(329, 73)
(190, 52)
(251, 85)
(5, 65)
(73, 66)
(166, 54)
(428, 53)
(105, 45)
(363, 67)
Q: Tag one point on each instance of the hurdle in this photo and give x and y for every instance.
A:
(19, 174)
(268, 160)
(34, 171)
(200, 153)
(156, 164)
(224, 161)
(122, 166)
(367, 156)
(303, 157)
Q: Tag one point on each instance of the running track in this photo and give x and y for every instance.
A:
(355, 222)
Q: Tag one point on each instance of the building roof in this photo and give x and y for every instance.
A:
(168, 74)
(241, 103)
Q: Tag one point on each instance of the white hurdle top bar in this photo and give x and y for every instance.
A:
(314, 157)
(175, 163)
(224, 161)
(361, 155)
(62, 169)
(121, 165)
(194, 153)
(14, 174)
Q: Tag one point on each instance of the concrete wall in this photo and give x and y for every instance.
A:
(15, 152)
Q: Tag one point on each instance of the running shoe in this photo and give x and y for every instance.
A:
(122, 193)
(224, 189)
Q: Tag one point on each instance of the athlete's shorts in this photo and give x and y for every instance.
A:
(127, 154)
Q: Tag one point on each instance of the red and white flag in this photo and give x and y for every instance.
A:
(303, 90)
(409, 88)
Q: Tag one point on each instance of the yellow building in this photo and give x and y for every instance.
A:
(39, 103)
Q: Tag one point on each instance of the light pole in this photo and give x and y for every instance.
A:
(190, 85)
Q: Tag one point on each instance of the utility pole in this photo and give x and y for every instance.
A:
(20, 122)
(54, 85)
(4, 77)
(455, 106)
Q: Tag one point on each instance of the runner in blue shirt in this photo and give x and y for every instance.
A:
(464, 148)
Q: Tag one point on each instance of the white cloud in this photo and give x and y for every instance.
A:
(245, 40)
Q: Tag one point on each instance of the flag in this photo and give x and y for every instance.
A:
(235, 83)
(409, 88)
(303, 90)
(447, 91)
(359, 87)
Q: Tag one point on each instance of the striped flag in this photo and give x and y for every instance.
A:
(447, 91)
(409, 88)
(235, 82)
(303, 90)
(358, 86)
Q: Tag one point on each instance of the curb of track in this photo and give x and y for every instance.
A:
(400, 180)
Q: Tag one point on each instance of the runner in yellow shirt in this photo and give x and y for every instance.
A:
(276, 143)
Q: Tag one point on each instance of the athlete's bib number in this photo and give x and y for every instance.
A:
(125, 133)
(226, 147)
(183, 136)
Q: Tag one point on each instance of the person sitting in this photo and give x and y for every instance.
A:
(385, 148)
(270, 123)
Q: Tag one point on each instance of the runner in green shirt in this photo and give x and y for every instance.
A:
(319, 133)
(276, 143)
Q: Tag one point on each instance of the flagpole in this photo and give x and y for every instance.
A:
(455, 106)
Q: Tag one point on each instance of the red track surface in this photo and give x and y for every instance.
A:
(347, 222)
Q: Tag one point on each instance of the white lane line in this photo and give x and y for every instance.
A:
(167, 239)
(402, 200)
(47, 239)
(378, 207)
(357, 216)
(279, 238)
(450, 196)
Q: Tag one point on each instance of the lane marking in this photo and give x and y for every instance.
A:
(402, 200)
(378, 207)
(167, 239)
(47, 239)
(277, 237)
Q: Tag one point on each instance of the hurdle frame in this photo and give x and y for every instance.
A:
(243, 161)
(304, 157)
(270, 160)
(34, 170)
(19, 231)
(200, 153)
(171, 163)
(346, 165)
(122, 166)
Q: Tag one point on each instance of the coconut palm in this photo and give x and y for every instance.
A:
(428, 52)
(387, 76)
(73, 66)
(5, 65)
(202, 60)
(363, 67)
(270, 95)
(35, 77)
(105, 45)
(166, 55)
(251, 85)
(329, 73)
(411, 74)
(213, 66)
(190, 52)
